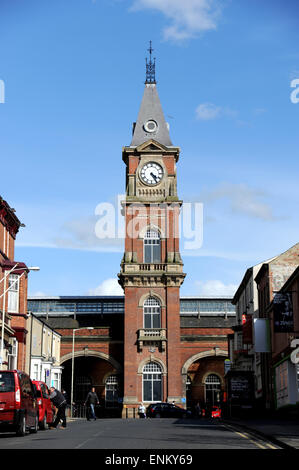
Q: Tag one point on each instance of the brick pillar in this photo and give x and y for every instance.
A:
(173, 345)
(130, 355)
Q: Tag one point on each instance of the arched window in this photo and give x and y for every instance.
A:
(152, 382)
(151, 313)
(213, 389)
(152, 246)
(111, 391)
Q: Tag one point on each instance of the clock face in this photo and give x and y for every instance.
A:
(151, 173)
(150, 126)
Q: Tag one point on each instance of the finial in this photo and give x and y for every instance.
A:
(150, 67)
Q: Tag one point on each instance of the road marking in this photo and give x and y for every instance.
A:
(271, 446)
(90, 439)
(246, 436)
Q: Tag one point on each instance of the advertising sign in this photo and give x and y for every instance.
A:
(240, 387)
(283, 313)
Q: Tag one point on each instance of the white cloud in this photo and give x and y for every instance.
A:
(81, 236)
(209, 111)
(243, 199)
(188, 18)
(38, 294)
(107, 287)
(214, 288)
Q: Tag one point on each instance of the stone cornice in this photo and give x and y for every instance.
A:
(151, 279)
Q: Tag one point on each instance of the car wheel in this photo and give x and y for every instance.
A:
(43, 423)
(21, 431)
(34, 429)
(184, 415)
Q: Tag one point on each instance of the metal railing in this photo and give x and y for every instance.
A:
(79, 411)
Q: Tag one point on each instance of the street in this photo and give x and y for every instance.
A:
(138, 434)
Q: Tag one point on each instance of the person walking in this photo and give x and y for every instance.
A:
(91, 401)
(141, 411)
(198, 410)
(59, 401)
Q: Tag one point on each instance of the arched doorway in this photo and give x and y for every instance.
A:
(203, 378)
(93, 370)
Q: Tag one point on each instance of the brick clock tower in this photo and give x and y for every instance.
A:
(151, 269)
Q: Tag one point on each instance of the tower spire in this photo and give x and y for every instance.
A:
(150, 67)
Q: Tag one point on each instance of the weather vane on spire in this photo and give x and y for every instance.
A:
(150, 67)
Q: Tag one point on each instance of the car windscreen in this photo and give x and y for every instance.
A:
(7, 382)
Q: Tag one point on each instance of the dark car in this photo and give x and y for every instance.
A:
(18, 405)
(166, 410)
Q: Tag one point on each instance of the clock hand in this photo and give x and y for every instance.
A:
(154, 176)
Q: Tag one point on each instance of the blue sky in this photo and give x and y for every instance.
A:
(74, 76)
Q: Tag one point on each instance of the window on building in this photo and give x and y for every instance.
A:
(111, 392)
(13, 293)
(212, 389)
(35, 372)
(55, 380)
(151, 313)
(13, 354)
(239, 342)
(152, 382)
(152, 247)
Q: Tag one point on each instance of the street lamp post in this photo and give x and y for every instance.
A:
(73, 354)
(5, 290)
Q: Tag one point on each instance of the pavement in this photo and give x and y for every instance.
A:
(282, 432)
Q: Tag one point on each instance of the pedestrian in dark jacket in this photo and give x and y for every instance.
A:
(91, 401)
(59, 402)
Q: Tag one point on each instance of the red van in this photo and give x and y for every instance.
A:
(18, 405)
(45, 407)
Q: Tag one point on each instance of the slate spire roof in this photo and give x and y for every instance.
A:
(151, 122)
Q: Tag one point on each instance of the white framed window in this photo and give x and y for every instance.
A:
(152, 313)
(35, 371)
(212, 389)
(111, 392)
(152, 382)
(152, 246)
(13, 354)
(13, 293)
(55, 380)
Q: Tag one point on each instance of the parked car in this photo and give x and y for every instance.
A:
(166, 410)
(18, 405)
(45, 408)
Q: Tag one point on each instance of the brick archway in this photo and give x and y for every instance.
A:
(200, 355)
(90, 353)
